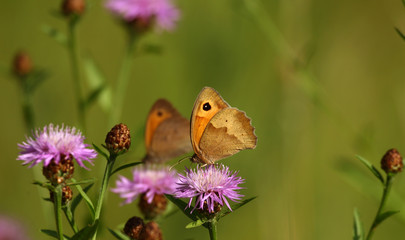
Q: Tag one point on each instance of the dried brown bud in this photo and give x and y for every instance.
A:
(118, 139)
(70, 7)
(22, 64)
(133, 227)
(59, 173)
(67, 195)
(392, 161)
(151, 231)
(153, 209)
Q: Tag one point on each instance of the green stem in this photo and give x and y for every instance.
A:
(57, 209)
(123, 79)
(104, 185)
(70, 218)
(27, 108)
(74, 61)
(212, 228)
(387, 188)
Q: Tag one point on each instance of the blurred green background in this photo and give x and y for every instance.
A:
(321, 80)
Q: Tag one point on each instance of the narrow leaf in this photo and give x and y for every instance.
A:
(153, 49)
(358, 232)
(55, 34)
(125, 166)
(86, 198)
(86, 233)
(87, 181)
(97, 82)
(400, 33)
(118, 234)
(371, 167)
(79, 198)
(183, 206)
(197, 223)
(93, 96)
(100, 151)
(226, 211)
(384, 216)
(53, 234)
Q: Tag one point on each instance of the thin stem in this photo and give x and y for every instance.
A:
(104, 185)
(27, 108)
(70, 218)
(387, 188)
(57, 209)
(212, 228)
(74, 61)
(123, 79)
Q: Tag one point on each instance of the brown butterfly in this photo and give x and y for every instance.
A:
(217, 129)
(167, 133)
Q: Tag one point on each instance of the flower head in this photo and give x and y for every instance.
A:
(148, 180)
(162, 11)
(210, 185)
(11, 229)
(55, 143)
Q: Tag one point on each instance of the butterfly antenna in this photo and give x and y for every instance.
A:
(178, 162)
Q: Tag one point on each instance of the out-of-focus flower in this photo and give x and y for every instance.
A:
(151, 231)
(22, 64)
(133, 227)
(146, 11)
(55, 143)
(11, 229)
(70, 7)
(149, 180)
(210, 185)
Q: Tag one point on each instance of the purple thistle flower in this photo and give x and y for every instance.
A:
(148, 180)
(210, 185)
(54, 143)
(11, 229)
(162, 11)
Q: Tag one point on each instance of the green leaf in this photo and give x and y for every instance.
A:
(384, 216)
(183, 206)
(371, 167)
(86, 233)
(53, 234)
(86, 198)
(79, 198)
(87, 181)
(125, 166)
(358, 232)
(226, 211)
(100, 151)
(152, 49)
(196, 223)
(35, 78)
(403, 2)
(118, 234)
(55, 34)
(400, 33)
(98, 84)
(46, 185)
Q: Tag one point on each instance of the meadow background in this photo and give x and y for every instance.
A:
(321, 80)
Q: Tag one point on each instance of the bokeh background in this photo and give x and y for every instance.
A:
(321, 80)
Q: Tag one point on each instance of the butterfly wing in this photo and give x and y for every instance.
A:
(228, 132)
(207, 104)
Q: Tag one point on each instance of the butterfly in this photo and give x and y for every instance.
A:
(166, 133)
(217, 129)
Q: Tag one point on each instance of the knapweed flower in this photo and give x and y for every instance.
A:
(11, 229)
(149, 180)
(161, 11)
(210, 185)
(54, 144)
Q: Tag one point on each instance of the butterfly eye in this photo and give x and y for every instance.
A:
(206, 106)
(159, 113)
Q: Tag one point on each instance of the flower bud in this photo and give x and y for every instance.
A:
(133, 227)
(207, 213)
(58, 173)
(70, 7)
(67, 195)
(392, 161)
(153, 209)
(151, 231)
(22, 64)
(118, 139)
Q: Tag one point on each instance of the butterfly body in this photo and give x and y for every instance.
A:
(218, 130)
